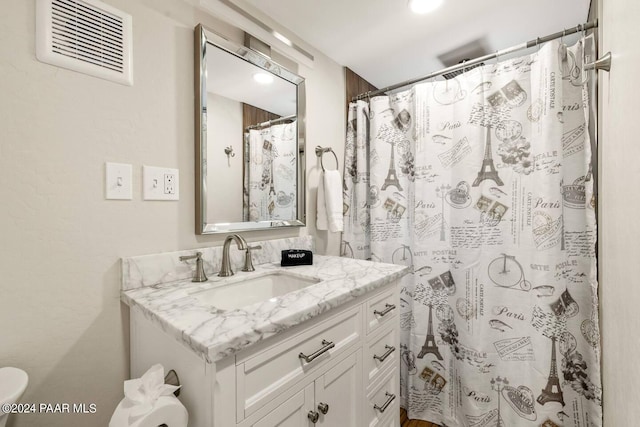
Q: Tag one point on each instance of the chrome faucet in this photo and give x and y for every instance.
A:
(225, 268)
(198, 274)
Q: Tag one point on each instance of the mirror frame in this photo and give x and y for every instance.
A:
(202, 38)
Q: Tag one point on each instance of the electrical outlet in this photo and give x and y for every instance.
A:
(160, 183)
(169, 183)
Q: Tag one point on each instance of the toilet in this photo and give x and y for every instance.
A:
(13, 382)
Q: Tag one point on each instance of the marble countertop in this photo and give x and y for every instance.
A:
(215, 334)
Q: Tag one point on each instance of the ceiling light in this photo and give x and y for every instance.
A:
(263, 78)
(424, 6)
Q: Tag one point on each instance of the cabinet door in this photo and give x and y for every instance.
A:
(341, 390)
(292, 413)
(271, 372)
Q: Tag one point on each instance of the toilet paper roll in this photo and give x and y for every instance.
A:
(166, 410)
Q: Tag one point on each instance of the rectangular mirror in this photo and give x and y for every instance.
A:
(250, 146)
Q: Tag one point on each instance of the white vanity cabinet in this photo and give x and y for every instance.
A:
(332, 399)
(338, 369)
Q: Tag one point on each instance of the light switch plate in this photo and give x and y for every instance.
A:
(118, 181)
(160, 183)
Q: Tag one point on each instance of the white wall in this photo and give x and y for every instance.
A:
(60, 315)
(225, 179)
(619, 228)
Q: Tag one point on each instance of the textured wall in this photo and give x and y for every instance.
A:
(60, 315)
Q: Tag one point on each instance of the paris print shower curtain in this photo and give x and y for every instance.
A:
(271, 173)
(482, 184)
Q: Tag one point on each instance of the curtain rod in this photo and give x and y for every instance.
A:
(521, 46)
(269, 122)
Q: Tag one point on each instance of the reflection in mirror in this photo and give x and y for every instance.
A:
(270, 181)
(250, 139)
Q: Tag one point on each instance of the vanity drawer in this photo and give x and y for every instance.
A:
(381, 352)
(381, 309)
(384, 401)
(262, 377)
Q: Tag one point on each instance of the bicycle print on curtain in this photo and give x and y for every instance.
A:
(482, 184)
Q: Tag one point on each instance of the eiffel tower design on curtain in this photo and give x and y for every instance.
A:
(392, 177)
(552, 392)
(488, 170)
(430, 343)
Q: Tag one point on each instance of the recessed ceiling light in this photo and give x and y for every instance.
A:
(424, 6)
(263, 78)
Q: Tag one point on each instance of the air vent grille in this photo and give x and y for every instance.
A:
(456, 73)
(471, 50)
(87, 36)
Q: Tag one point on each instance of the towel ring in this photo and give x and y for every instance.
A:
(320, 153)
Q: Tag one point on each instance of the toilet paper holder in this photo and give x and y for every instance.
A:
(172, 379)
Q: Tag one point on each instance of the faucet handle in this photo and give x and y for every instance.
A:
(248, 262)
(199, 274)
(197, 256)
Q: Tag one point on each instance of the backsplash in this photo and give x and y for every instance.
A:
(148, 270)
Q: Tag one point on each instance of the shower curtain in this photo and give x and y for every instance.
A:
(270, 170)
(482, 185)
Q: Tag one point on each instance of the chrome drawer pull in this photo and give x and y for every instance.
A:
(388, 308)
(390, 350)
(327, 345)
(390, 398)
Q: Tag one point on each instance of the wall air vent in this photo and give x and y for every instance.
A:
(87, 36)
(472, 50)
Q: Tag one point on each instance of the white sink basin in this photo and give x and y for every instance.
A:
(240, 293)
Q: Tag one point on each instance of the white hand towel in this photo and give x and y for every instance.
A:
(321, 212)
(333, 200)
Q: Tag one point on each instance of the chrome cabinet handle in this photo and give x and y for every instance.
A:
(388, 308)
(323, 407)
(313, 416)
(327, 345)
(390, 350)
(390, 398)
